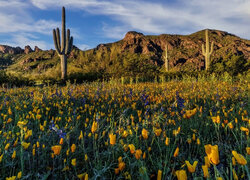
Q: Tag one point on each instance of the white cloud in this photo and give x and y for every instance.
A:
(83, 46)
(24, 39)
(17, 24)
(149, 17)
(182, 17)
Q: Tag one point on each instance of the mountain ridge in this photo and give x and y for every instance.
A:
(135, 54)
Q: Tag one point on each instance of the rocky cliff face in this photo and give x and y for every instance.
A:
(183, 50)
(17, 50)
(10, 50)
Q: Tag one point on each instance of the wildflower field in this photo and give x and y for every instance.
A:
(173, 130)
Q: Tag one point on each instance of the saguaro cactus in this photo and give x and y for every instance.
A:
(166, 59)
(64, 47)
(209, 50)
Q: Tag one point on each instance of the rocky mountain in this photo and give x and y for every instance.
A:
(135, 54)
(182, 50)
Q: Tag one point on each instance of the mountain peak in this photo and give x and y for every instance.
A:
(132, 34)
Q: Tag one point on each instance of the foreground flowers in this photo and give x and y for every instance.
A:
(56, 149)
(239, 158)
(181, 175)
(212, 153)
(140, 125)
(112, 138)
(191, 168)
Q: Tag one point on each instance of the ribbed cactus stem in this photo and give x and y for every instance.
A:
(166, 59)
(63, 31)
(63, 47)
(209, 50)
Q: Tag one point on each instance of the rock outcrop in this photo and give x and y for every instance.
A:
(37, 49)
(27, 49)
(10, 50)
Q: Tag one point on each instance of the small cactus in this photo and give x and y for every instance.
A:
(166, 59)
(207, 53)
(63, 48)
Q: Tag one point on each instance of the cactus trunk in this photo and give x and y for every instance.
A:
(63, 58)
(209, 50)
(63, 46)
(166, 59)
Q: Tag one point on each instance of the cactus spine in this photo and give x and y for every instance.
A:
(64, 47)
(207, 53)
(166, 59)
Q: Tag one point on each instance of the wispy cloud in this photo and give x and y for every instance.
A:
(150, 17)
(182, 17)
(23, 39)
(18, 25)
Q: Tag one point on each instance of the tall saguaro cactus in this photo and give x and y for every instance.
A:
(64, 47)
(209, 50)
(166, 59)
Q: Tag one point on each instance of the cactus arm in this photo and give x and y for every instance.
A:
(70, 45)
(63, 31)
(67, 42)
(212, 48)
(56, 41)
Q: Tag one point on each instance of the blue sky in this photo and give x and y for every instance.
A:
(92, 22)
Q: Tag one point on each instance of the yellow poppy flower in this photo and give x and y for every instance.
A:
(144, 133)
(121, 166)
(235, 175)
(11, 178)
(230, 125)
(246, 130)
(167, 141)
(138, 154)
(61, 141)
(191, 168)
(86, 157)
(56, 149)
(73, 148)
(233, 161)
(212, 153)
(19, 174)
(81, 176)
(13, 155)
(248, 150)
(181, 175)
(132, 148)
(158, 132)
(125, 134)
(207, 162)
(80, 136)
(112, 139)
(117, 170)
(239, 158)
(20, 124)
(205, 171)
(1, 158)
(86, 177)
(73, 162)
(7, 146)
(159, 175)
(198, 141)
(94, 127)
(176, 152)
(25, 145)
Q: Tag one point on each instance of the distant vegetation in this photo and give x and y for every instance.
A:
(137, 56)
